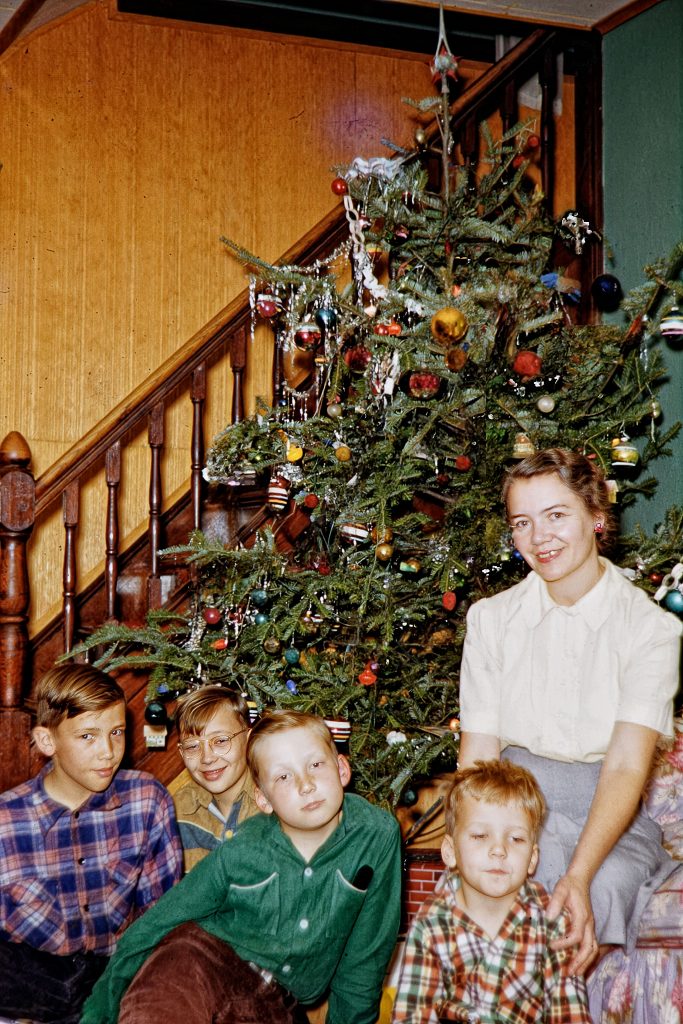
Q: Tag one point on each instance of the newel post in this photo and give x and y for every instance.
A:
(17, 516)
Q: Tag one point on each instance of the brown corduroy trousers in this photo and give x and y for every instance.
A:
(195, 978)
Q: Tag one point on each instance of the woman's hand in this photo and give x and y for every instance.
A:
(572, 895)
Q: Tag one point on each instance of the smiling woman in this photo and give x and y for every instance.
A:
(572, 673)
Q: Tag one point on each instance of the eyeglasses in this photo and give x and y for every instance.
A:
(218, 745)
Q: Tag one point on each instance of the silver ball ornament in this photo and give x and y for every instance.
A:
(545, 404)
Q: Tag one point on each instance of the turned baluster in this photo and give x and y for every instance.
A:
(548, 80)
(156, 442)
(198, 396)
(469, 143)
(17, 516)
(508, 106)
(112, 469)
(70, 511)
(238, 362)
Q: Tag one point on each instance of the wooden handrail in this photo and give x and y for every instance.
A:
(514, 64)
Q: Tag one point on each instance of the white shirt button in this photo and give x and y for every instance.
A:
(308, 872)
(286, 968)
(303, 924)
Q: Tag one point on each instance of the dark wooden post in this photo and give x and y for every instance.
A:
(238, 362)
(198, 397)
(17, 516)
(155, 439)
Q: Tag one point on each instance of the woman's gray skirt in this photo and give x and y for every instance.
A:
(632, 871)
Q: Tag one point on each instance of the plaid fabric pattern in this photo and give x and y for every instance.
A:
(72, 881)
(452, 971)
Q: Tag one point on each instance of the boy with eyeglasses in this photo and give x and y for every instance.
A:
(85, 848)
(303, 902)
(212, 724)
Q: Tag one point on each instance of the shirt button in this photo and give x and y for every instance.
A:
(308, 872)
(303, 924)
(81, 860)
(286, 968)
(228, 834)
(86, 908)
(76, 814)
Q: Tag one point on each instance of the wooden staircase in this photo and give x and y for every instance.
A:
(136, 579)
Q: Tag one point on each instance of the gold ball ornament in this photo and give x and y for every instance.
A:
(449, 325)
(384, 552)
(342, 453)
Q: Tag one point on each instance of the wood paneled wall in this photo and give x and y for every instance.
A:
(128, 148)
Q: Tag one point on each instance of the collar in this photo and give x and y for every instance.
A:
(49, 811)
(594, 607)
(530, 902)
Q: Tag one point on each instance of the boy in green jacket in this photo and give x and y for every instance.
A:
(304, 901)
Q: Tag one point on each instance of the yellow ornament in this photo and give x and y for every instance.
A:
(294, 453)
(449, 325)
(343, 453)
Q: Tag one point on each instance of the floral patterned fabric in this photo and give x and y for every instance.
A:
(647, 986)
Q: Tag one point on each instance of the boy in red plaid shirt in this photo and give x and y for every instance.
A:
(479, 950)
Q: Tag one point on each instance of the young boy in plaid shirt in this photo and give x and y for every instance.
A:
(84, 849)
(479, 949)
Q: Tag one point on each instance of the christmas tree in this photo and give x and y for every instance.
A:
(438, 345)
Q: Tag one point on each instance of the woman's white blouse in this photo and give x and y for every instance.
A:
(555, 679)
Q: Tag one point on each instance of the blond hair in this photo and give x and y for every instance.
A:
(195, 709)
(496, 782)
(282, 720)
(69, 690)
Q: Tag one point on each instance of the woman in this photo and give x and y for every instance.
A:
(572, 673)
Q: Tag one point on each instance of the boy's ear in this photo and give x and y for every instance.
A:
(344, 769)
(448, 852)
(534, 860)
(44, 740)
(262, 802)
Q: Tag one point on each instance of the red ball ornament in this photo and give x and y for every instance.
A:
(220, 644)
(463, 463)
(339, 187)
(454, 725)
(212, 615)
(527, 363)
(656, 577)
(449, 600)
(533, 142)
(357, 358)
(311, 501)
(423, 384)
(367, 678)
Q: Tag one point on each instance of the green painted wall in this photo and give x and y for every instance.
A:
(643, 183)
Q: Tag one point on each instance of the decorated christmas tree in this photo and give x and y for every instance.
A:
(435, 347)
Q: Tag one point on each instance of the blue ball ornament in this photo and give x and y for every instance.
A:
(155, 713)
(261, 618)
(292, 656)
(326, 318)
(259, 598)
(606, 292)
(674, 601)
